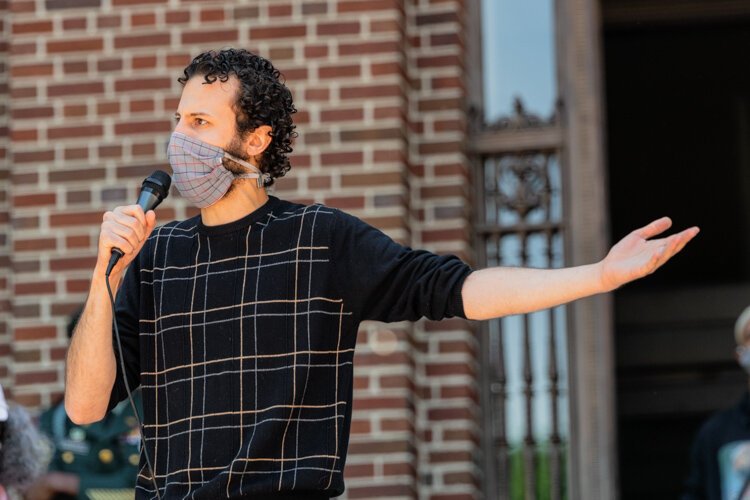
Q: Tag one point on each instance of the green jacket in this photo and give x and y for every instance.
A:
(105, 455)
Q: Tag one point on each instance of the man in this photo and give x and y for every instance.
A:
(89, 461)
(720, 457)
(240, 323)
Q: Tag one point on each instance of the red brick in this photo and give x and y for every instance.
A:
(340, 115)
(36, 27)
(142, 40)
(75, 45)
(37, 288)
(66, 132)
(36, 244)
(75, 23)
(177, 17)
(143, 84)
(371, 91)
(34, 200)
(75, 67)
(144, 62)
(77, 241)
(215, 36)
(341, 71)
(143, 19)
(345, 202)
(375, 179)
(132, 127)
(437, 414)
(369, 48)
(316, 51)
(75, 110)
(109, 65)
(385, 26)
(42, 69)
(366, 5)
(289, 31)
(32, 113)
(35, 377)
(77, 286)
(338, 28)
(210, 15)
(24, 135)
(439, 61)
(69, 263)
(314, 8)
(275, 10)
(68, 89)
(71, 4)
(379, 447)
(107, 108)
(103, 22)
(118, 3)
(381, 491)
(374, 134)
(76, 219)
(359, 470)
(342, 158)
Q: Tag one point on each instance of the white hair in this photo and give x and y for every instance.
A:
(23, 450)
(741, 326)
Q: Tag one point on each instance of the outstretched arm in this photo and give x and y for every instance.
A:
(502, 291)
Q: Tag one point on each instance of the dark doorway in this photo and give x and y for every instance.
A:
(677, 101)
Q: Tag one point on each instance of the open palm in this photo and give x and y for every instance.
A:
(636, 256)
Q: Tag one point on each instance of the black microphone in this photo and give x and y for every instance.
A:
(153, 191)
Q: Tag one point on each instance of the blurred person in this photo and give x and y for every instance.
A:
(720, 455)
(22, 450)
(239, 324)
(89, 460)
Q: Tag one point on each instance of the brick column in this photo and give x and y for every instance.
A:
(446, 364)
(5, 272)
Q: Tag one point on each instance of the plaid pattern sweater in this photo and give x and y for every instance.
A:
(242, 337)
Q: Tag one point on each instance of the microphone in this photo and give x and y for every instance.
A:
(153, 191)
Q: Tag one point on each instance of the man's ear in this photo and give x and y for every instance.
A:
(258, 140)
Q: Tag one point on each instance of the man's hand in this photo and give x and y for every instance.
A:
(126, 228)
(636, 256)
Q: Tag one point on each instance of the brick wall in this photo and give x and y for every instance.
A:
(5, 274)
(380, 89)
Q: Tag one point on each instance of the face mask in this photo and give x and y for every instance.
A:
(744, 358)
(199, 173)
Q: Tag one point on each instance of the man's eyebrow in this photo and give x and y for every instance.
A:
(199, 113)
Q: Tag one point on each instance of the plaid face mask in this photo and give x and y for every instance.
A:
(198, 171)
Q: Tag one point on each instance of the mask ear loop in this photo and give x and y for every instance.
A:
(262, 177)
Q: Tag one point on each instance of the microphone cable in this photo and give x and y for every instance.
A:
(127, 389)
(153, 191)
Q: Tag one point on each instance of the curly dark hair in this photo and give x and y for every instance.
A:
(263, 99)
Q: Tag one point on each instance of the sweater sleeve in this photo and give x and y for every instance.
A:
(127, 317)
(390, 282)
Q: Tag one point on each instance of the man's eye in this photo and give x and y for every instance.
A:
(200, 121)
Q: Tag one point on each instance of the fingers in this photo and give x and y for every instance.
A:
(125, 228)
(673, 245)
(656, 227)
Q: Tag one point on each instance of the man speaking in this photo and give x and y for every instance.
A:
(240, 324)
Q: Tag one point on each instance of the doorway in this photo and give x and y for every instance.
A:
(677, 96)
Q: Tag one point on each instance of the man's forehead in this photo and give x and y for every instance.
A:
(199, 97)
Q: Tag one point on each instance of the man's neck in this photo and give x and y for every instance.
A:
(243, 199)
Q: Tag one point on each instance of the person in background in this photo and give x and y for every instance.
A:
(720, 456)
(22, 450)
(89, 460)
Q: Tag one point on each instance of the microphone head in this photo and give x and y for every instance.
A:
(159, 183)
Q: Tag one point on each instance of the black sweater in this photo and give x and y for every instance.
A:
(242, 338)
